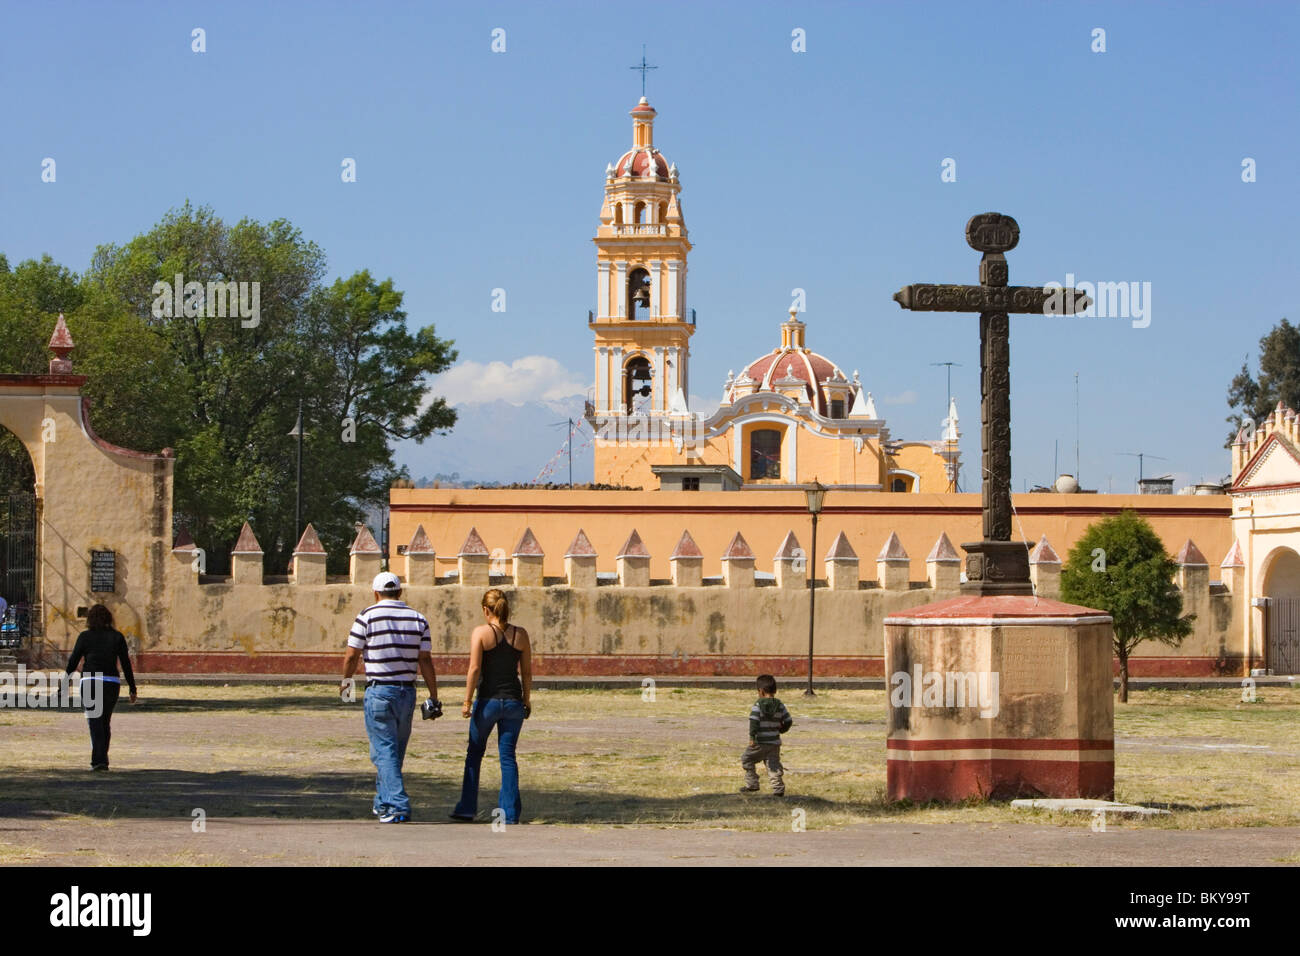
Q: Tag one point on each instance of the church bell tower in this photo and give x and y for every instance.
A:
(641, 325)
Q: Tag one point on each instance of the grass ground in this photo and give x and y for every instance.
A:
(609, 758)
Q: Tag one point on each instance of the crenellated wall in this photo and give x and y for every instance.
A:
(607, 615)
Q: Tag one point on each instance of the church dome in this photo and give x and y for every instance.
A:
(791, 362)
(640, 159)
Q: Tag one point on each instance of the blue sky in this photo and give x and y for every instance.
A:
(817, 170)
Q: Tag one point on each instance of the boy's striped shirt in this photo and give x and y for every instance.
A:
(392, 635)
(765, 719)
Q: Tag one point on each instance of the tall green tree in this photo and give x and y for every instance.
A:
(1279, 378)
(1119, 565)
(223, 390)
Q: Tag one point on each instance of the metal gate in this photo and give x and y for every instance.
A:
(20, 584)
(1284, 635)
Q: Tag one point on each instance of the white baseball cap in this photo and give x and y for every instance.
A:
(386, 581)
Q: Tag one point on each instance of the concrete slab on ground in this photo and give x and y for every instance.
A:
(1079, 805)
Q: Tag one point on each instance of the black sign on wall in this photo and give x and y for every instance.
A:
(103, 571)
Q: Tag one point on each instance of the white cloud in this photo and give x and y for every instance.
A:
(904, 398)
(702, 405)
(528, 379)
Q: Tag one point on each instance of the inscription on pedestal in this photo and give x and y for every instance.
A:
(1034, 663)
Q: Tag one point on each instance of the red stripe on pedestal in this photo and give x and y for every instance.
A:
(1001, 779)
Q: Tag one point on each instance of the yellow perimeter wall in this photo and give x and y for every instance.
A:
(764, 517)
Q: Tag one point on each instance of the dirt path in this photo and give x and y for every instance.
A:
(273, 842)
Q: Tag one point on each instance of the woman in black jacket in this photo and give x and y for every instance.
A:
(102, 647)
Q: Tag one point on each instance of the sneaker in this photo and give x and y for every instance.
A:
(460, 818)
(749, 789)
(99, 766)
(392, 816)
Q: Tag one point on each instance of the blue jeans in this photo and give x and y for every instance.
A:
(389, 710)
(508, 717)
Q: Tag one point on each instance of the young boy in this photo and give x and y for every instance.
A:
(768, 720)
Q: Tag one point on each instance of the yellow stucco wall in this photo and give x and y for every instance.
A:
(764, 517)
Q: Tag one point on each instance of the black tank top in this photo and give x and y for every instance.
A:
(500, 678)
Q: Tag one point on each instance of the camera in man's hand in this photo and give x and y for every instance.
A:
(431, 709)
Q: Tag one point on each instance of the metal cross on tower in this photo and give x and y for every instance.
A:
(996, 565)
(643, 67)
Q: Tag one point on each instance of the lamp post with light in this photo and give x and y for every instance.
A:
(815, 494)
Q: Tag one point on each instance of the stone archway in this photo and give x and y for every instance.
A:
(1282, 574)
(19, 554)
(90, 496)
(1282, 611)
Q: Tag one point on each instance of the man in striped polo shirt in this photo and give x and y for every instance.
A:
(396, 642)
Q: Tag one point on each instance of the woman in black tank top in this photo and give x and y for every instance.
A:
(498, 687)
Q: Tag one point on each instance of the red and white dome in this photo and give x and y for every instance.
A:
(786, 364)
(640, 160)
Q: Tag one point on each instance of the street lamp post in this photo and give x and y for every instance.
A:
(297, 510)
(815, 494)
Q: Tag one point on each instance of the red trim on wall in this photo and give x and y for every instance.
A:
(954, 780)
(615, 665)
(999, 743)
(18, 380)
(478, 507)
(1184, 667)
(559, 665)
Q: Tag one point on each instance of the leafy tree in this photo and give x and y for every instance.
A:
(224, 392)
(1279, 378)
(1132, 579)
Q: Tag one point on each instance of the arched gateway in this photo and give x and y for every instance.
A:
(100, 520)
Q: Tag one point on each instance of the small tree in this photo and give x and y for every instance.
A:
(1120, 566)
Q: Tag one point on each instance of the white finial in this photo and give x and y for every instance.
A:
(856, 381)
(672, 171)
(871, 406)
(950, 432)
(609, 170)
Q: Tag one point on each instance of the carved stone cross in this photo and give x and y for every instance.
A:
(996, 565)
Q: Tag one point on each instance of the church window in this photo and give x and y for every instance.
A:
(663, 212)
(899, 485)
(765, 453)
(691, 483)
(641, 212)
(618, 214)
(837, 408)
(638, 294)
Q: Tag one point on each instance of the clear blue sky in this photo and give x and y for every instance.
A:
(818, 170)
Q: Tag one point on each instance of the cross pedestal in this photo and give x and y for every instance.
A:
(998, 694)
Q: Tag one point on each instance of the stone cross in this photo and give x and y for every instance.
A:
(996, 565)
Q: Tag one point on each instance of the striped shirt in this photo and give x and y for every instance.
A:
(768, 719)
(392, 635)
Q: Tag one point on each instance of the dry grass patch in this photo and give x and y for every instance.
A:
(610, 758)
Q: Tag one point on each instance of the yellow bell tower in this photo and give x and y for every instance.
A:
(641, 324)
